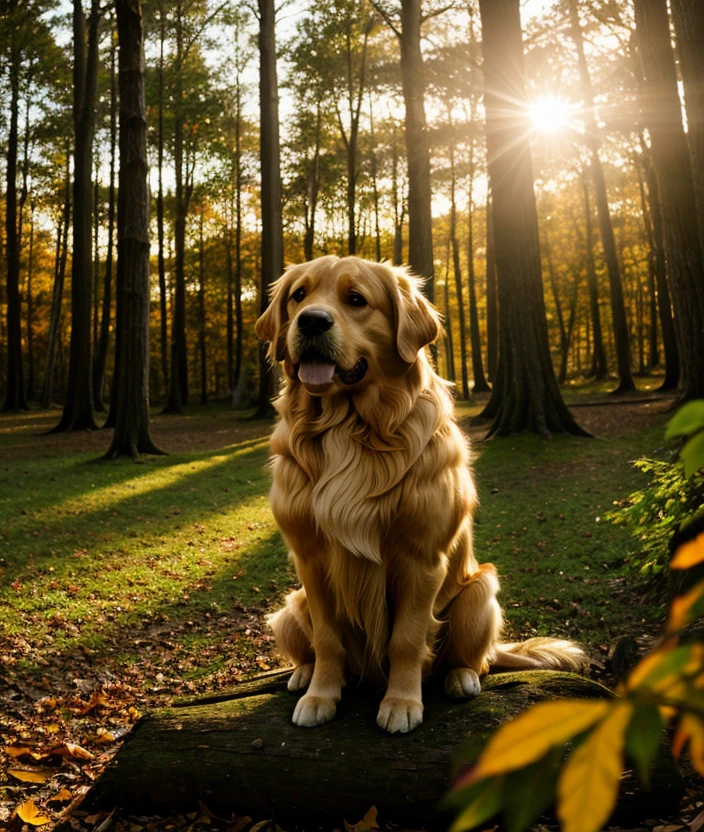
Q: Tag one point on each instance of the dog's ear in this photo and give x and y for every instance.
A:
(417, 320)
(271, 325)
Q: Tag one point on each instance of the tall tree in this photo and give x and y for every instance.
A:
(104, 337)
(456, 267)
(132, 436)
(689, 29)
(272, 241)
(591, 132)
(525, 394)
(599, 368)
(663, 118)
(420, 227)
(15, 398)
(492, 302)
(78, 407)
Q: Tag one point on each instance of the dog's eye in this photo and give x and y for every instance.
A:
(299, 294)
(355, 299)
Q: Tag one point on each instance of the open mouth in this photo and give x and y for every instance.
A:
(317, 370)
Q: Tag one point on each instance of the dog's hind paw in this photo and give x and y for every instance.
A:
(301, 676)
(314, 710)
(399, 716)
(462, 683)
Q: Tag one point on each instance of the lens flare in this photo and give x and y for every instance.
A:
(549, 114)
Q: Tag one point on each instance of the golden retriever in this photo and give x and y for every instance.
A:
(373, 494)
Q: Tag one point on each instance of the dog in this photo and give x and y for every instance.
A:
(373, 494)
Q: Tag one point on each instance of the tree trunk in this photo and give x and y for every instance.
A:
(272, 250)
(104, 338)
(238, 253)
(667, 324)
(449, 348)
(458, 271)
(178, 387)
(653, 351)
(618, 311)
(375, 184)
(492, 303)
(313, 187)
(78, 407)
(526, 395)
(670, 154)
(689, 29)
(131, 436)
(201, 314)
(57, 292)
(14, 393)
(398, 202)
(420, 219)
(30, 308)
(161, 265)
(599, 368)
(227, 750)
(480, 385)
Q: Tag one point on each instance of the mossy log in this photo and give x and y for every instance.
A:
(239, 752)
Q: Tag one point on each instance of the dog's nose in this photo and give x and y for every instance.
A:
(315, 321)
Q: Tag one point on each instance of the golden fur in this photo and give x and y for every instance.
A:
(373, 493)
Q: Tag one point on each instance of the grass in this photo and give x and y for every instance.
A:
(92, 553)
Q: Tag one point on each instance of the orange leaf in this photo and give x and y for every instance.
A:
(37, 776)
(70, 749)
(29, 813)
(680, 608)
(17, 751)
(690, 728)
(64, 794)
(689, 554)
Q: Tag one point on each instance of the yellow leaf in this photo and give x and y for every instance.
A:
(71, 750)
(64, 794)
(689, 554)
(528, 737)
(588, 785)
(29, 813)
(370, 818)
(679, 609)
(17, 751)
(691, 727)
(37, 776)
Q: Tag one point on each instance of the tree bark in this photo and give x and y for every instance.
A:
(57, 291)
(457, 269)
(15, 398)
(599, 367)
(78, 407)
(30, 307)
(670, 154)
(618, 310)
(104, 337)
(161, 264)
(653, 348)
(420, 224)
(272, 250)
(228, 750)
(526, 395)
(689, 29)
(449, 348)
(480, 384)
(131, 436)
(492, 301)
(201, 313)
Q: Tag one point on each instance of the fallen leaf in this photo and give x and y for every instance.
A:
(59, 797)
(29, 813)
(71, 750)
(20, 751)
(37, 776)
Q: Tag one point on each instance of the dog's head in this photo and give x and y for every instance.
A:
(339, 323)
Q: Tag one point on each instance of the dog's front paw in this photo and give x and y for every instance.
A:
(399, 715)
(301, 676)
(462, 683)
(314, 710)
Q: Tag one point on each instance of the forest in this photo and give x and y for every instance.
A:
(540, 165)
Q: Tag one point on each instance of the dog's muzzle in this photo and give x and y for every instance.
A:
(318, 350)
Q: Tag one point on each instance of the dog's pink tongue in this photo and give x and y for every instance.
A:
(316, 371)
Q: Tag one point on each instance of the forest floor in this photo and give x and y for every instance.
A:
(124, 586)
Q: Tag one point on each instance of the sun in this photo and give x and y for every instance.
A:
(549, 114)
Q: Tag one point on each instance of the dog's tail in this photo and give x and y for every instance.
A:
(534, 653)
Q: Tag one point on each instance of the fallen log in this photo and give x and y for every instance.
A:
(239, 752)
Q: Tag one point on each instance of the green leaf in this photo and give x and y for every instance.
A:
(693, 455)
(660, 665)
(689, 419)
(484, 803)
(643, 739)
(528, 792)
